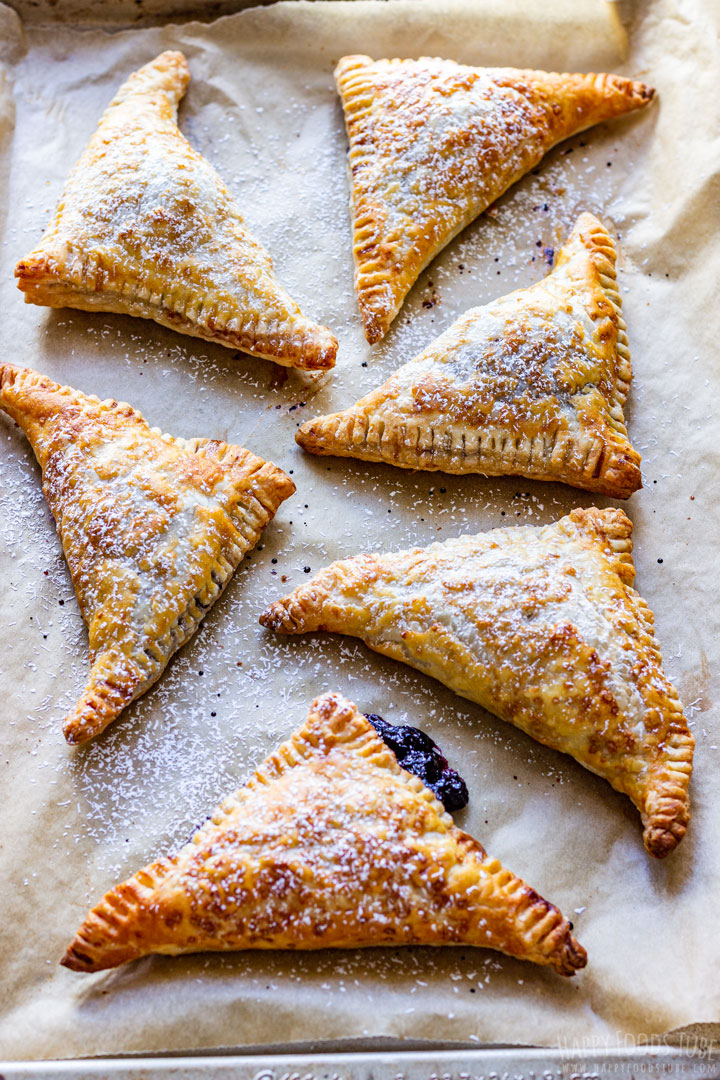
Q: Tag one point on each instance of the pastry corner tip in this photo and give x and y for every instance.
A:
(286, 484)
(286, 616)
(322, 362)
(8, 374)
(272, 487)
(621, 476)
(611, 522)
(167, 73)
(644, 92)
(634, 93)
(352, 60)
(332, 705)
(309, 436)
(318, 353)
(69, 961)
(76, 960)
(661, 839)
(74, 736)
(273, 617)
(572, 957)
(591, 230)
(373, 327)
(173, 56)
(88, 957)
(660, 842)
(304, 436)
(29, 269)
(587, 219)
(377, 311)
(85, 722)
(267, 617)
(172, 61)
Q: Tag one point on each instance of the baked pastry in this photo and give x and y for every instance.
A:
(152, 528)
(540, 626)
(330, 844)
(532, 384)
(145, 226)
(434, 143)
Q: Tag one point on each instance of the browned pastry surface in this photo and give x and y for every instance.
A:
(330, 844)
(152, 528)
(145, 226)
(541, 626)
(532, 384)
(434, 143)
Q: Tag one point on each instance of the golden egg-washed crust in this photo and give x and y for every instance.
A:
(145, 226)
(532, 384)
(330, 844)
(434, 143)
(152, 528)
(539, 625)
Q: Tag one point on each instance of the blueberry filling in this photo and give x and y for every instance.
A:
(417, 753)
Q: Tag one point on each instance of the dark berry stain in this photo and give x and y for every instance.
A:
(198, 828)
(416, 752)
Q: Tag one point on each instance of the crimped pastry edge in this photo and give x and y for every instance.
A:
(665, 804)
(113, 931)
(587, 460)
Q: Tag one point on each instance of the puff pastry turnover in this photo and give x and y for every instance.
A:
(539, 625)
(330, 844)
(145, 226)
(152, 528)
(434, 143)
(532, 384)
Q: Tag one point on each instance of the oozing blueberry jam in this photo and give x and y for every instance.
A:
(417, 753)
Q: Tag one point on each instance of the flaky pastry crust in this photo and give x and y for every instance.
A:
(532, 384)
(434, 143)
(539, 625)
(152, 527)
(146, 227)
(330, 844)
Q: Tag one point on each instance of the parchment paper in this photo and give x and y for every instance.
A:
(262, 108)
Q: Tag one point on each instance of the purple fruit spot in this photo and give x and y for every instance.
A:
(416, 752)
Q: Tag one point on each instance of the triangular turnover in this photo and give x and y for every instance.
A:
(152, 528)
(532, 384)
(433, 143)
(539, 625)
(146, 227)
(331, 844)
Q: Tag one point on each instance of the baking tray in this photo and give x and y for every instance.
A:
(487, 1064)
(491, 1063)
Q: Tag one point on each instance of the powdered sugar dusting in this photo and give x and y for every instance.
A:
(100, 812)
